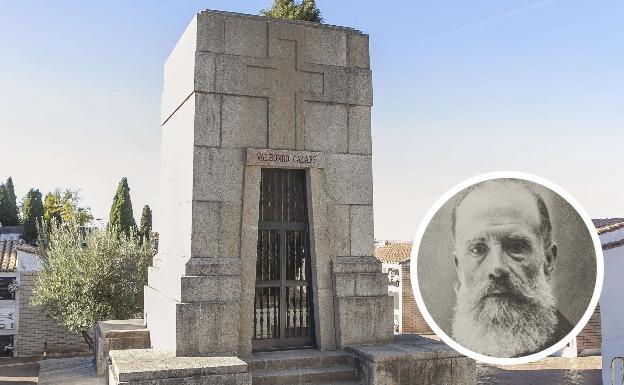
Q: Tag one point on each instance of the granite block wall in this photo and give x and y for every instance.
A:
(237, 82)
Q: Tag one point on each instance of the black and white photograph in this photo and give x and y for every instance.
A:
(506, 268)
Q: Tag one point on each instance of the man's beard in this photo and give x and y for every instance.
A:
(505, 325)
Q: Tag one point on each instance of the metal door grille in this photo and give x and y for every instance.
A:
(283, 299)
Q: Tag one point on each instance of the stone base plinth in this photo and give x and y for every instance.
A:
(198, 313)
(118, 335)
(155, 367)
(363, 310)
(411, 359)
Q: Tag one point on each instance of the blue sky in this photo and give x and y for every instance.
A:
(460, 88)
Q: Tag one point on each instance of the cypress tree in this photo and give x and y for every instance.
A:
(32, 213)
(146, 222)
(7, 214)
(12, 210)
(4, 206)
(308, 11)
(121, 217)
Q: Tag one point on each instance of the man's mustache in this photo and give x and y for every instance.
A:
(507, 286)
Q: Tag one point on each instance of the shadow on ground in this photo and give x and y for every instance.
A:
(19, 371)
(69, 371)
(548, 371)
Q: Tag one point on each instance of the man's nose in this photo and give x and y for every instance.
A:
(496, 263)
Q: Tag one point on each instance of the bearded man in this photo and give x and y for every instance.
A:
(504, 256)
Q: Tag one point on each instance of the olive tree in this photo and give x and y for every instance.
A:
(92, 275)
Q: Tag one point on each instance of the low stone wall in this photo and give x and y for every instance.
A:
(158, 367)
(38, 333)
(411, 359)
(118, 335)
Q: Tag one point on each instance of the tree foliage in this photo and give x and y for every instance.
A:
(63, 206)
(4, 206)
(121, 216)
(288, 9)
(9, 213)
(92, 275)
(145, 229)
(32, 214)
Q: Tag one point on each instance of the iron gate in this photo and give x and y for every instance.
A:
(283, 298)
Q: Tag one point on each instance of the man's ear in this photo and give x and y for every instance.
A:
(551, 258)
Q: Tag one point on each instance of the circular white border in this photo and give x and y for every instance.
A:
(414, 272)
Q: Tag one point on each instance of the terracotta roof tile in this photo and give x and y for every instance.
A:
(608, 224)
(613, 245)
(28, 248)
(8, 255)
(394, 252)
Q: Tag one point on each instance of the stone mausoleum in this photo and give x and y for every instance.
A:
(265, 271)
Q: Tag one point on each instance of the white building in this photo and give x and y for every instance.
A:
(10, 233)
(9, 299)
(395, 257)
(611, 232)
(19, 266)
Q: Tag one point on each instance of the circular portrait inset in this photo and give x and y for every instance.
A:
(507, 268)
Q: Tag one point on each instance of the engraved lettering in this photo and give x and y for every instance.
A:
(285, 158)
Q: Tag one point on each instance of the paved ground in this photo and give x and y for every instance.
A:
(548, 371)
(69, 371)
(19, 371)
(63, 371)
(80, 371)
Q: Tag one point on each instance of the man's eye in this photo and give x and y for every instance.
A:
(516, 246)
(479, 249)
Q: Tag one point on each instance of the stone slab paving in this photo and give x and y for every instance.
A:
(69, 371)
(548, 371)
(146, 365)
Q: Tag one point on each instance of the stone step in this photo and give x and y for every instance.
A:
(292, 359)
(343, 383)
(337, 374)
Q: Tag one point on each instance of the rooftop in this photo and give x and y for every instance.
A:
(28, 248)
(608, 224)
(8, 256)
(394, 252)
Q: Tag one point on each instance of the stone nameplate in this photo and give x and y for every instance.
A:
(285, 158)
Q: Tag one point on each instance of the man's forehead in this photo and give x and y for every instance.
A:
(498, 204)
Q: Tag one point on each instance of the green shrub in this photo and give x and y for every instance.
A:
(288, 9)
(92, 275)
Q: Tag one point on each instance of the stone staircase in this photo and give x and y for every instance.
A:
(299, 367)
